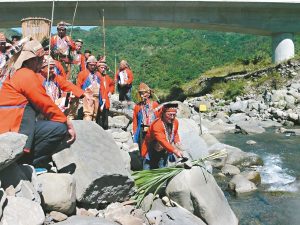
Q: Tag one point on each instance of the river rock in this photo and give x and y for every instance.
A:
(21, 211)
(118, 122)
(250, 142)
(197, 191)
(290, 102)
(59, 193)
(190, 140)
(11, 148)
(252, 176)
(98, 166)
(239, 106)
(230, 170)
(183, 110)
(241, 185)
(86, 220)
(58, 216)
(179, 216)
(122, 214)
(278, 95)
(250, 127)
(23, 179)
(238, 117)
(236, 156)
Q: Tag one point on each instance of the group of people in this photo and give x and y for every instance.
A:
(40, 98)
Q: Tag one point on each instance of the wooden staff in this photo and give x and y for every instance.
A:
(50, 36)
(73, 18)
(103, 31)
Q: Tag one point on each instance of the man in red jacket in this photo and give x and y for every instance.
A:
(22, 97)
(162, 139)
(124, 79)
(89, 81)
(106, 90)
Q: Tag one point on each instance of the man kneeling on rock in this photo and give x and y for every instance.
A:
(22, 97)
(162, 139)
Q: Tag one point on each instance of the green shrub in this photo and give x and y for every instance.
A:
(229, 90)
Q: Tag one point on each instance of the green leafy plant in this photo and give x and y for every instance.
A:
(151, 181)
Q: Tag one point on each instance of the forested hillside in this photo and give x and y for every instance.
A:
(165, 57)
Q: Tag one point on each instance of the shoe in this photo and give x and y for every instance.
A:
(39, 171)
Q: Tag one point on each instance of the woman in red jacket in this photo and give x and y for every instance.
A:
(124, 79)
(144, 113)
(22, 96)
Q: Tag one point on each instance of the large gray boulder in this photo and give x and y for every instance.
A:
(183, 110)
(239, 106)
(59, 192)
(21, 211)
(197, 191)
(179, 216)
(190, 140)
(11, 147)
(86, 220)
(97, 166)
(23, 179)
(236, 156)
(250, 127)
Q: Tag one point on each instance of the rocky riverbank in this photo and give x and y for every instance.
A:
(90, 182)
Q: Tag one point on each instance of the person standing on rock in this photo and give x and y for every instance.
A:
(22, 97)
(124, 79)
(89, 81)
(61, 46)
(162, 139)
(144, 113)
(107, 88)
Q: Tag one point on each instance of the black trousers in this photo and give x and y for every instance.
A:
(102, 118)
(44, 137)
(48, 136)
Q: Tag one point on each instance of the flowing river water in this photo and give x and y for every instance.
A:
(277, 201)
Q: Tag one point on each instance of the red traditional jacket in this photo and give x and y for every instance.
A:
(147, 117)
(22, 89)
(158, 134)
(128, 76)
(107, 85)
(68, 40)
(59, 69)
(64, 85)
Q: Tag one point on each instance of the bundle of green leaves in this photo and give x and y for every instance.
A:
(151, 181)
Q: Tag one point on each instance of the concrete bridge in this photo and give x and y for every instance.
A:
(277, 18)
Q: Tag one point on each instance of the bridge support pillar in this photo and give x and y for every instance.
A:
(283, 47)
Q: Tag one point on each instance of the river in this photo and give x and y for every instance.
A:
(277, 201)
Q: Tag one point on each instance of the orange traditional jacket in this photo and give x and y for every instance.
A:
(59, 69)
(80, 60)
(22, 89)
(138, 108)
(108, 86)
(157, 133)
(64, 85)
(83, 82)
(53, 42)
(129, 74)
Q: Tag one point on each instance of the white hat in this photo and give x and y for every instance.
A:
(30, 50)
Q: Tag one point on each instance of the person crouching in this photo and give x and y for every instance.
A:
(161, 139)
